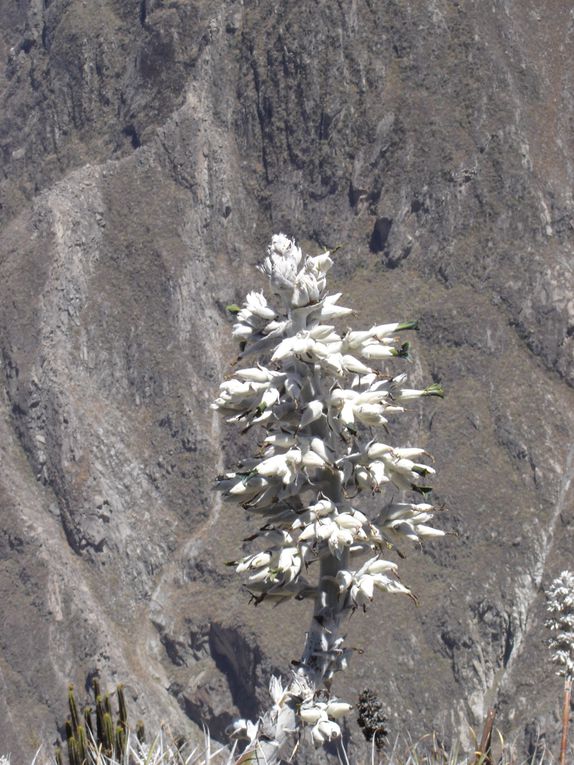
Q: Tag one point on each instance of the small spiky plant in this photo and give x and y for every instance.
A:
(104, 738)
(560, 597)
(86, 743)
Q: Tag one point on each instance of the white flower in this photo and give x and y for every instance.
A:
(325, 730)
(243, 729)
(241, 487)
(255, 374)
(282, 466)
(312, 412)
(281, 440)
(257, 560)
(312, 460)
(362, 590)
(339, 530)
(321, 716)
(320, 264)
(321, 348)
(367, 407)
(256, 305)
(337, 708)
(279, 693)
(409, 520)
(351, 364)
(320, 509)
(406, 394)
(339, 540)
(560, 605)
(361, 584)
(254, 317)
(282, 262)
(307, 289)
(329, 309)
(378, 351)
(312, 712)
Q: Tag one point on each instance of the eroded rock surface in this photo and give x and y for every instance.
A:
(149, 150)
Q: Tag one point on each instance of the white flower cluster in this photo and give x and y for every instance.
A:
(319, 715)
(560, 605)
(319, 396)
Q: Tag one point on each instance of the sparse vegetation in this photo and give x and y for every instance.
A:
(429, 750)
(94, 733)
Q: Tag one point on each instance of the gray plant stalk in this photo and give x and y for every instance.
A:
(319, 395)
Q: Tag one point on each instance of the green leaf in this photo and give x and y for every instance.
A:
(233, 308)
(408, 325)
(435, 389)
(421, 489)
(404, 351)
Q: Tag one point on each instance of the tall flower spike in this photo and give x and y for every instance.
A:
(560, 597)
(319, 392)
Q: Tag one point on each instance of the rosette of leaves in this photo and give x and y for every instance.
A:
(322, 395)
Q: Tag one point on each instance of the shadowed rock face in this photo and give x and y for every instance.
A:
(149, 150)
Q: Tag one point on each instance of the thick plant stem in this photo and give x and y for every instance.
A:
(324, 630)
(320, 648)
(565, 719)
(318, 654)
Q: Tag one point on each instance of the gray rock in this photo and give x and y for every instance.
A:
(149, 150)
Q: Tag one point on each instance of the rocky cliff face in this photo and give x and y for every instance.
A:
(149, 150)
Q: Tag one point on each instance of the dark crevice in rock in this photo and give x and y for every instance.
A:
(380, 235)
(70, 529)
(508, 644)
(219, 674)
(196, 711)
(173, 650)
(27, 44)
(130, 132)
(237, 660)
